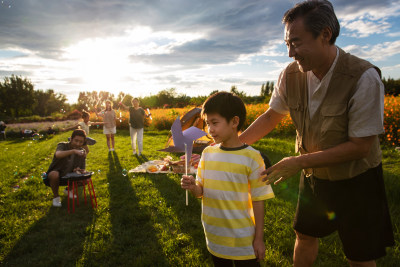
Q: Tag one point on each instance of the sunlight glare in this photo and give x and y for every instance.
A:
(104, 63)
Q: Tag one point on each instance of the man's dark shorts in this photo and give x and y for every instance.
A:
(46, 181)
(357, 208)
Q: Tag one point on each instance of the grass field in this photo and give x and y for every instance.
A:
(141, 220)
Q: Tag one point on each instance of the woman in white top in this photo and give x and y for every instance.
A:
(109, 121)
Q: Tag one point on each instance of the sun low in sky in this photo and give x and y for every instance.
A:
(141, 48)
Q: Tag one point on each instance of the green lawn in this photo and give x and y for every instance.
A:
(141, 220)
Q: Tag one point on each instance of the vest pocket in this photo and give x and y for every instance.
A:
(334, 125)
(296, 113)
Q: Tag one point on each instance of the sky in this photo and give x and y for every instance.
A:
(141, 47)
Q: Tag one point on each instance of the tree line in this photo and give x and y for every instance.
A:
(18, 98)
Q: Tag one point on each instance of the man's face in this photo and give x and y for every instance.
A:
(303, 47)
(135, 103)
(77, 142)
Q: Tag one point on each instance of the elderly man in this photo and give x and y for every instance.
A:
(336, 103)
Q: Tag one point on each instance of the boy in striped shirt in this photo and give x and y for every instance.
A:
(228, 181)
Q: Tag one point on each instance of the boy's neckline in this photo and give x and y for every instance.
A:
(233, 148)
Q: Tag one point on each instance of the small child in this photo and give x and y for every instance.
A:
(228, 181)
(84, 125)
(69, 157)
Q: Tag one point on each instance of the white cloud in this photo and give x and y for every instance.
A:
(364, 28)
(145, 46)
(375, 52)
(393, 34)
(363, 20)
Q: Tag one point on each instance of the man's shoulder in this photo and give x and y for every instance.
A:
(293, 67)
(350, 64)
(63, 145)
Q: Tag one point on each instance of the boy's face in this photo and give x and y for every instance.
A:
(221, 130)
(85, 118)
(77, 141)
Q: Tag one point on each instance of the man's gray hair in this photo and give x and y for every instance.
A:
(317, 15)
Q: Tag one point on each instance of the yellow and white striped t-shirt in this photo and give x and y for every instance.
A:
(231, 181)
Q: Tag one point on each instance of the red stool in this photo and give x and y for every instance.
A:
(75, 179)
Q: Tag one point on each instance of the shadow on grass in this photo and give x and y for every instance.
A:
(189, 217)
(57, 239)
(134, 242)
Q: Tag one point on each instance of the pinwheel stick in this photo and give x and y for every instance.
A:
(186, 173)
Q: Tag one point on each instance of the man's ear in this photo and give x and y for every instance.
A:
(326, 34)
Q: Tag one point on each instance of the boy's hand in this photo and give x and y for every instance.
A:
(259, 249)
(188, 182)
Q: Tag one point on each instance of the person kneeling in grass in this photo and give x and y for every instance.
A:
(69, 157)
(228, 181)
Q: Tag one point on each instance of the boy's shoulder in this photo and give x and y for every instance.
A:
(246, 149)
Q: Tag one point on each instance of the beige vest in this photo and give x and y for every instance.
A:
(329, 126)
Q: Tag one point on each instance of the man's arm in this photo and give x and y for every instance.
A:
(258, 242)
(354, 149)
(261, 126)
(62, 154)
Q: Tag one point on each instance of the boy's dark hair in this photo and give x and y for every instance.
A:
(78, 132)
(227, 105)
(85, 114)
(317, 15)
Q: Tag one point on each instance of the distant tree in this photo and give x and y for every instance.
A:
(149, 101)
(17, 96)
(48, 102)
(166, 96)
(234, 90)
(392, 86)
(262, 92)
(91, 101)
(213, 92)
(197, 100)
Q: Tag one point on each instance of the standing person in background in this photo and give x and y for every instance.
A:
(3, 127)
(136, 122)
(109, 121)
(336, 103)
